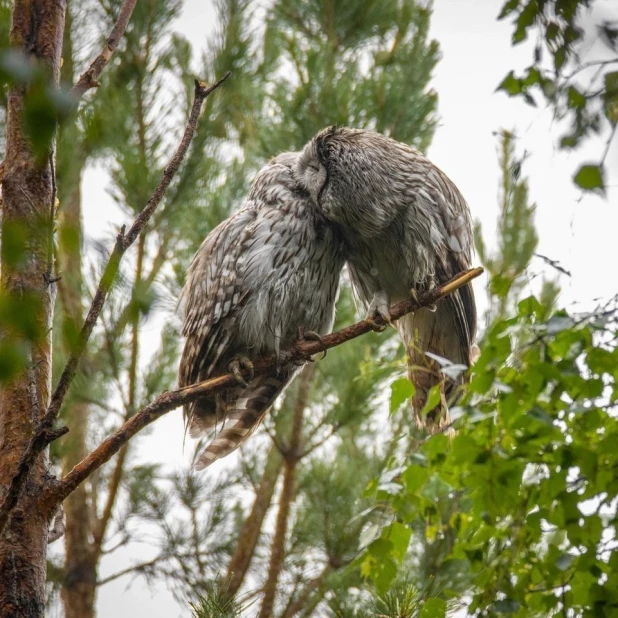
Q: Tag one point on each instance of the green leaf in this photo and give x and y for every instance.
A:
(560, 58)
(401, 390)
(552, 31)
(378, 565)
(399, 535)
(611, 83)
(576, 99)
(589, 177)
(526, 18)
(610, 97)
(433, 399)
(511, 85)
(433, 608)
(13, 357)
(414, 478)
(499, 285)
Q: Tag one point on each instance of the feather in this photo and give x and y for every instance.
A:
(267, 270)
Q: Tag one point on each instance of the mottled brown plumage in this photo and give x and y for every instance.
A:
(271, 268)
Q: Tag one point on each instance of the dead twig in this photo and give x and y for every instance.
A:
(301, 352)
(90, 78)
(45, 432)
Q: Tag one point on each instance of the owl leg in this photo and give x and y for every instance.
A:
(239, 362)
(378, 313)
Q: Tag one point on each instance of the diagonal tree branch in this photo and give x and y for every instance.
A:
(45, 432)
(301, 352)
(89, 79)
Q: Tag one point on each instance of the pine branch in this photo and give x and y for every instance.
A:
(45, 432)
(301, 352)
(90, 78)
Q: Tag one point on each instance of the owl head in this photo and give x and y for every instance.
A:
(349, 173)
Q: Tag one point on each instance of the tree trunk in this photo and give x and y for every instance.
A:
(27, 192)
(80, 567)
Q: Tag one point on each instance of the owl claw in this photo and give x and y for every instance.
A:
(416, 299)
(377, 325)
(235, 366)
(310, 335)
(379, 315)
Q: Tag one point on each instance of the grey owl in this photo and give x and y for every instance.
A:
(406, 226)
(269, 270)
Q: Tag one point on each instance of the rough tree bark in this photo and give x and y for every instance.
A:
(28, 193)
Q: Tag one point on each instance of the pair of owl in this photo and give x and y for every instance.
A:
(271, 271)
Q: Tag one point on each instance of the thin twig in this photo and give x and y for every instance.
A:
(301, 352)
(45, 433)
(90, 78)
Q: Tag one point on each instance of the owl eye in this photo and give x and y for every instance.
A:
(314, 167)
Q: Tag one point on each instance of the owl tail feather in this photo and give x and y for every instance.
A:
(242, 417)
(434, 332)
(424, 373)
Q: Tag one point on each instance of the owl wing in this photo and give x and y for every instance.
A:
(211, 297)
(456, 256)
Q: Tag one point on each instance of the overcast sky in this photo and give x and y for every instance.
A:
(581, 234)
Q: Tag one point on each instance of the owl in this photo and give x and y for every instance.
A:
(406, 226)
(264, 275)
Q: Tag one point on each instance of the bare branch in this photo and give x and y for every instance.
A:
(90, 78)
(301, 352)
(45, 433)
(135, 569)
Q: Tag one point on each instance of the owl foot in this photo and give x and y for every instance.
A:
(236, 364)
(416, 299)
(309, 335)
(378, 314)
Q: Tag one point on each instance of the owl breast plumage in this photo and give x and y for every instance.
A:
(271, 268)
(406, 226)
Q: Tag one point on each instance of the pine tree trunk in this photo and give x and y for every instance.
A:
(27, 191)
(80, 563)
(80, 566)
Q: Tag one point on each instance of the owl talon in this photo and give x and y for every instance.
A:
(376, 326)
(235, 368)
(310, 335)
(416, 299)
(379, 315)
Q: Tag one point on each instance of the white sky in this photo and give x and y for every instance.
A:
(476, 56)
